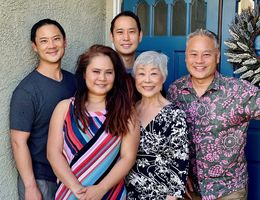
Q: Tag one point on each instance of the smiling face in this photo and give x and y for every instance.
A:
(202, 58)
(148, 80)
(49, 44)
(126, 35)
(99, 75)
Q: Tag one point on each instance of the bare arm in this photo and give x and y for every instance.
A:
(23, 161)
(128, 151)
(55, 156)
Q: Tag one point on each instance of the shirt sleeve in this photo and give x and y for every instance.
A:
(22, 111)
(179, 159)
(251, 100)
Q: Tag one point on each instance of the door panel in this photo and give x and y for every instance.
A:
(170, 39)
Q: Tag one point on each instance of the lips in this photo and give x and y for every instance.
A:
(126, 46)
(52, 53)
(148, 87)
(199, 68)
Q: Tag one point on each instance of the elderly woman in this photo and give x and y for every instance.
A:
(161, 168)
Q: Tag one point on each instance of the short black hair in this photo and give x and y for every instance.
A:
(45, 22)
(126, 13)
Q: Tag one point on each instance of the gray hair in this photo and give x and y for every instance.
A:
(154, 58)
(206, 33)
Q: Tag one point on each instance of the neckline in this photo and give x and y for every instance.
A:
(46, 77)
(153, 119)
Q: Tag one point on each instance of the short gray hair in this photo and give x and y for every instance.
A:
(154, 58)
(206, 33)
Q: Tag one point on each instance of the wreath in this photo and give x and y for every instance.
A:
(241, 53)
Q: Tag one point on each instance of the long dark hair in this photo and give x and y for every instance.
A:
(118, 104)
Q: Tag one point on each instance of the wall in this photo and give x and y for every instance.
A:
(84, 23)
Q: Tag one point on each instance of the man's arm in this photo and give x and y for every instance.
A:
(24, 164)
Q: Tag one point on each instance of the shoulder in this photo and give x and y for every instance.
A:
(177, 86)
(180, 81)
(237, 84)
(174, 109)
(26, 86)
(64, 104)
(27, 82)
(61, 109)
(67, 73)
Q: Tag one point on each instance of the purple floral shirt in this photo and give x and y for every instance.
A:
(217, 125)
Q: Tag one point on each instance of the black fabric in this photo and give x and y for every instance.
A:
(32, 104)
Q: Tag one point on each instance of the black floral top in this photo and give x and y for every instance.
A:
(162, 160)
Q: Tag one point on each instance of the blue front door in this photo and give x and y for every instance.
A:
(166, 23)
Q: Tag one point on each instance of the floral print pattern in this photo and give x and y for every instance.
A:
(217, 124)
(161, 166)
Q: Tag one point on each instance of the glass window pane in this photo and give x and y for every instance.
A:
(143, 14)
(198, 14)
(179, 18)
(160, 18)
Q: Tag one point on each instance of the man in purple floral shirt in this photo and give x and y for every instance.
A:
(218, 112)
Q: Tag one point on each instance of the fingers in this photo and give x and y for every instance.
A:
(190, 185)
(82, 190)
(188, 195)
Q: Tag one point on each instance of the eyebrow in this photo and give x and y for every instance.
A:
(208, 50)
(118, 29)
(44, 37)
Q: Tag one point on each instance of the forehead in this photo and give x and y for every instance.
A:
(101, 61)
(123, 22)
(48, 30)
(147, 66)
(200, 43)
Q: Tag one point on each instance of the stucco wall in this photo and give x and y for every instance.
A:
(84, 22)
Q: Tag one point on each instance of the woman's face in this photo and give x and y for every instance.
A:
(148, 80)
(100, 75)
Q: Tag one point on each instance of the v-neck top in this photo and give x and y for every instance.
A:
(161, 166)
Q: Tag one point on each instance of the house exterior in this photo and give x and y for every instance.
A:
(85, 22)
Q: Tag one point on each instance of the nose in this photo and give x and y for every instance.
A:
(51, 43)
(147, 78)
(126, 35)
(200, 58)
(102, 76)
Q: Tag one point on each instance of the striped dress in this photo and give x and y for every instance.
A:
(91, 154)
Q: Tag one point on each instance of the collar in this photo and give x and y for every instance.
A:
(215, 85)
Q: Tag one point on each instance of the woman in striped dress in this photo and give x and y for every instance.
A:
(94, 137)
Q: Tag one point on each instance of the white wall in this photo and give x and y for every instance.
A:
(85, 23)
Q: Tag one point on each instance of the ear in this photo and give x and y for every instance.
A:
(111, 37)
(65, 43)
(218, 56)
(34, 47)
(140, 36)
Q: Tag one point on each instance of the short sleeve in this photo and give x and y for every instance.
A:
(22, 111)
(251, 100)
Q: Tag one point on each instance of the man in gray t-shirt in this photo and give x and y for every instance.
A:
(32, 104)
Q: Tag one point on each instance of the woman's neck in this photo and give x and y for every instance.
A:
(96, 103)
(154, 101)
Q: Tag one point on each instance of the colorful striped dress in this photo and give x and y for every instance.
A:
(91, 154)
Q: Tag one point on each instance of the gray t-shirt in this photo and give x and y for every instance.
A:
(32, 104)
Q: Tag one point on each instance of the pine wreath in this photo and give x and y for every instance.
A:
(241, 53)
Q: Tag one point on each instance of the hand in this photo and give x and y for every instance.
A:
(32, 193)
(94, 192)
(171, 198)
(189, 188)
(79, 191)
